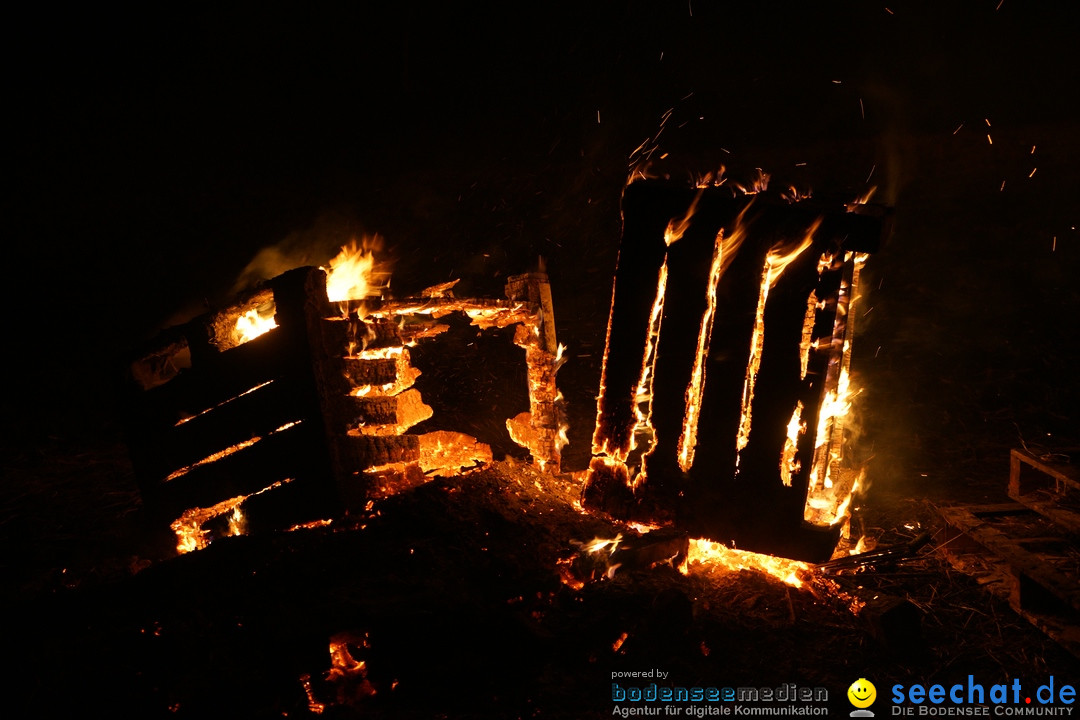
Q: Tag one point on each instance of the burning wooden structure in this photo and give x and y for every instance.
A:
(298, 402)
(726, 366)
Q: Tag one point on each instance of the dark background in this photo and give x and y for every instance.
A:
(151, 157)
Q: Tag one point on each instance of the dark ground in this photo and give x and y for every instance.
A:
(152, 158)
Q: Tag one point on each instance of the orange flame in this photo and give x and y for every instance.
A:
(723, 253)
(776, 262)
(677, 228)
(251, 325)
(789, 462)
(191, 535)
(598, 544)
(643, 393)
(830, 490)
(352, 272)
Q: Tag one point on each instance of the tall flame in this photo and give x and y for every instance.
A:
(352, 274)
(830, 489)
(723, 253)
(643, 393)
(776, 262)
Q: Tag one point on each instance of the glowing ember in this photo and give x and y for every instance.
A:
(190, 532)
(708, 555)
(452, 452)
(346, 671)
(314, 706)
(310, 525)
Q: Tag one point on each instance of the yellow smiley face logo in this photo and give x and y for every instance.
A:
(862, 693)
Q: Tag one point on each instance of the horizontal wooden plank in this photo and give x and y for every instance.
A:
(386, 415)
(299, 451)
(293, 503)
(365, 451)
(256, 413)
(218, 378)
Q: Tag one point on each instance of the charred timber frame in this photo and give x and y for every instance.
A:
(273, 424)
(685, 308)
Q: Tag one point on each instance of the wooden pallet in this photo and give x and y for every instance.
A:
(1048, 484)
(270, 429)
(1021, 556)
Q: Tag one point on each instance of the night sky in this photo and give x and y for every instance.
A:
(150, 156)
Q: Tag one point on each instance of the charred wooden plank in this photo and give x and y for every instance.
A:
(354, 335)
(282, 455)
(390, 415)
(364, 451)
(374, 371)
(255, 413)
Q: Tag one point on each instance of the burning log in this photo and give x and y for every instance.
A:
(691, 431)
